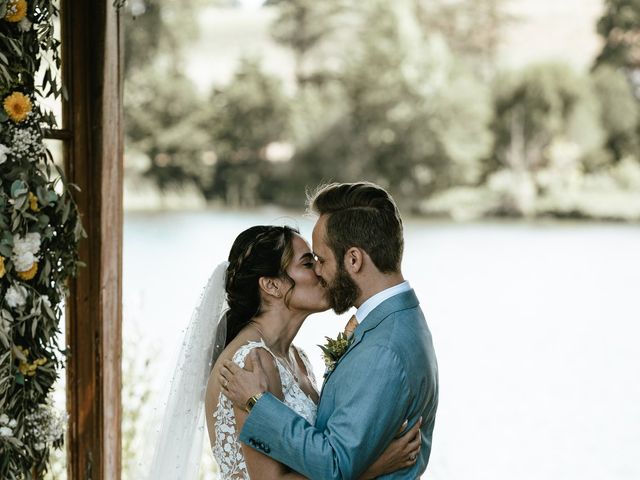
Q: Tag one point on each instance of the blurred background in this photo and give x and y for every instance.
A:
(509, 133)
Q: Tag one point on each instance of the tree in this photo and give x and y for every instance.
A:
(472, 28)
(537, 106)
(305, 26)
(163, 121)
(413, 119)
(620, 28)
(245, 117)
(156, 31)
(162, 107)
(619, 112)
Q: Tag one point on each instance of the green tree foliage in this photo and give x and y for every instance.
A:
(155, 31)
(620, 115)
(412, 118)
(163, 120)
(305, 26)
(244, 119)
(162, 107)
(537, 106)
(620, 28)
(472, 28)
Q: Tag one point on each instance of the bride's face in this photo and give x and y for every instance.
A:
(308, 294)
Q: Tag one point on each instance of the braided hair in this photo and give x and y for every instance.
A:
(260, 251)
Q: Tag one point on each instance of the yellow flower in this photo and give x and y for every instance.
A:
(26, 368)
(2, 269)
(33, 202)
(29, 274)
(16, 10)
(18, 106)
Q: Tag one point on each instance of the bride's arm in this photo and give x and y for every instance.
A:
(401, 453)
(259, 465)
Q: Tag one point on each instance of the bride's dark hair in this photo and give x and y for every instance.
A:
(260, 251)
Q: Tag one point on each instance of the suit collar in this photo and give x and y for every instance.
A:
(402, 301)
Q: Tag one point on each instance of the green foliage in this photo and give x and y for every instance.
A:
(39, 234)
(472, 28)
(305, 26)
(406, 105)
(535, 107)
(155, 31)
(620, 28)
(163, 120)
(411, 117)
(22, 51)
(245, 117)
(620, 114)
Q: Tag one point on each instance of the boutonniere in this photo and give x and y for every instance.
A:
(334, 349)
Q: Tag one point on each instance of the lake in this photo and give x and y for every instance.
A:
(536, 327)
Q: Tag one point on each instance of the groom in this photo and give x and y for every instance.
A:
(389, 371)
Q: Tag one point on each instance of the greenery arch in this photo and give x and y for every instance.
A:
(39, 233)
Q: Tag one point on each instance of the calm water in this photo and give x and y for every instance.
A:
(536, 329)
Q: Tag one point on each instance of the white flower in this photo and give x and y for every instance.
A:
(13, 423)
(24, 24)
(4, 419)
(24, 251)
(24, 261)
(4, 151)
(29, 243)
(26, 143)
(16, 296)
(6, 432)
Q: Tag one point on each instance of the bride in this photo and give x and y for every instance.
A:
(270, 289)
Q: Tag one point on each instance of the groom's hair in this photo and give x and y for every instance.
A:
(361, 215)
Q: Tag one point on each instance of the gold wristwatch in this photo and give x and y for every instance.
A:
(252, 401)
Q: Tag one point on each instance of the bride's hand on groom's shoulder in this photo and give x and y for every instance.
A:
(259, 375)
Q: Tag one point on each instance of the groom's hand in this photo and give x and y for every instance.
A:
(240, 384)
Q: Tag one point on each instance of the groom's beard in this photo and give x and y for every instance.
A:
(343, 291)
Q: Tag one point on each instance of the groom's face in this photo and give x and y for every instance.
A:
(343, 291)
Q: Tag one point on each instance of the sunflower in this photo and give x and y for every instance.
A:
(18, 106)
(29, 274)
(16, 10)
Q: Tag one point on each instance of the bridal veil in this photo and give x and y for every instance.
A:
(179, 446)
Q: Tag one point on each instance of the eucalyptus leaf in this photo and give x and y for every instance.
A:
(43, 220)
(34, 326)
(21, 202)
(18, 188)
(49, 311)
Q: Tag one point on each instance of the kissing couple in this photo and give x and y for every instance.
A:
(375, 414)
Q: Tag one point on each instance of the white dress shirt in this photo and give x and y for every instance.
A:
(367, 307)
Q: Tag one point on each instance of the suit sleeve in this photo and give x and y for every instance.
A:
(371, 402)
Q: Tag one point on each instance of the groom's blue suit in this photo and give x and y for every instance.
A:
(388, 374)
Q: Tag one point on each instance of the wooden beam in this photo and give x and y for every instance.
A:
(92, 72)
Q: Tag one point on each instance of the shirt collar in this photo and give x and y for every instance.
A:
(368, 306)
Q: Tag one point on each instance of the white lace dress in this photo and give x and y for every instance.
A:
(226, 449)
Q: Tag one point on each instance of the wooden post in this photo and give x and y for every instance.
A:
(92, 72)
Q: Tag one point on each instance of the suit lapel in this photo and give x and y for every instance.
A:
(402, 301)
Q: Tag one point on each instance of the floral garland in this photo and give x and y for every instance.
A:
(39, 234)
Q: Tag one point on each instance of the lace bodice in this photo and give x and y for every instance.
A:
(226, 449)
